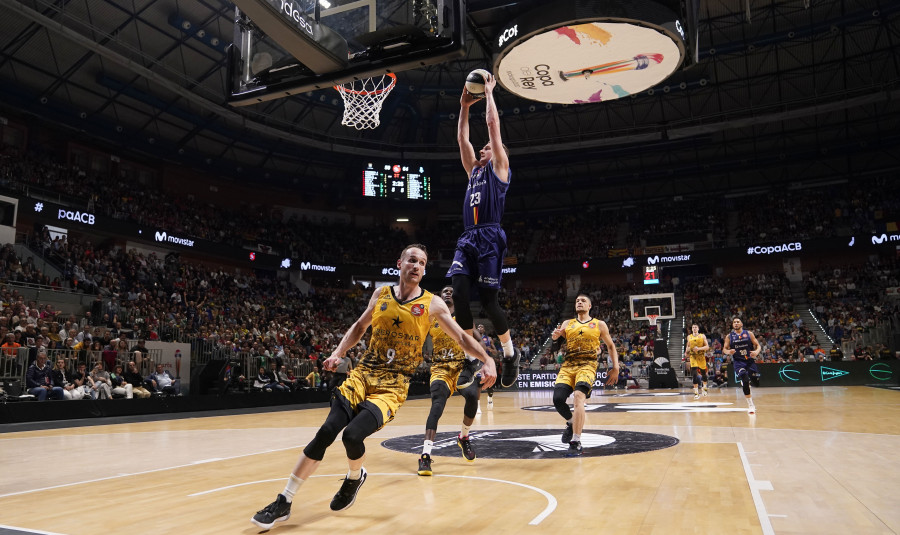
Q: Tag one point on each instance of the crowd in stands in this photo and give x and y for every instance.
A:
(225, 314)
(853, 300)
(825, 211)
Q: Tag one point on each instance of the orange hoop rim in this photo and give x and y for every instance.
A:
(652, 318)
(390, 86)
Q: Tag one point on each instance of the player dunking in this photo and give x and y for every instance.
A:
(738, 344)
(447, 359)
(482, 245)
(582, 336)
(697, 346)
(400, 317)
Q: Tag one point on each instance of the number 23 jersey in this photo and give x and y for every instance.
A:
(398, 332)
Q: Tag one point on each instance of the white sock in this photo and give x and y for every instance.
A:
(293, 485)
(426, 448)
(354, 474)
(508, 349)
(569, 421)
(576, 438)
(750, 401)
(464, 432)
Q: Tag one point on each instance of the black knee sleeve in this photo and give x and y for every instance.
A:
(584, 388)
(462, 305)
(490, 300)
(560, 394)
(337, 419)
(439, 395)
(745, 383)
(356, 432)
(471, 395)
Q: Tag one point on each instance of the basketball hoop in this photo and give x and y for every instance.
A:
(652, 318)
(363, 99)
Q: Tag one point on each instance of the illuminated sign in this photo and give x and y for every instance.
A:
(165, 237)
(78, 217)
(396, 181)
(307, 266)
(651, 275)
(770, 249)
(878, 240)
(508, 270)
(508, 34)
(668, 259)
(286, 263)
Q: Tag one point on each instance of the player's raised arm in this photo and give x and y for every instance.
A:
(441, 313)
(499, 159)
(353, 334)
(466, 150)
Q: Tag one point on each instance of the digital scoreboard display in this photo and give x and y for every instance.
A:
(651, 275)
(396, 181)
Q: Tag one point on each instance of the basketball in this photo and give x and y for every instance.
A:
(475, 82)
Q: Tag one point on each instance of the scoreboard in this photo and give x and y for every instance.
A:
(396, 181)
(651, 275)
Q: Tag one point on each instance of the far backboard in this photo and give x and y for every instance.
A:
(285, 47)
(662, 305)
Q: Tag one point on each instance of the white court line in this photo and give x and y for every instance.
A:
(26, 530)
(551, 500)
(192, 463)
(755, 487)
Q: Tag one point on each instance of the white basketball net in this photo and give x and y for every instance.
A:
(363, 99)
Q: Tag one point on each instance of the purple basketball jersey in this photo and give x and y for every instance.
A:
(485, 197)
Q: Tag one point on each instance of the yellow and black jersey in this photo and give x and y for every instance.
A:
(398, 332)
(445, 348)
(698, 358)
(582, 341)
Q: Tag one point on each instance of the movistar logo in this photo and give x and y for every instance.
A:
(788, 373)
(881, 371)
(830, 373)
(885, 238)
(306, 266)
(665, 259)
(163, 237)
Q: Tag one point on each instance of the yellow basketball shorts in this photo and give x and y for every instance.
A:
(577, 372)
(447, 371)
(386, 391)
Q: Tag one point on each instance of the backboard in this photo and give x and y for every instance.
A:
(285, 47)
(662, 305)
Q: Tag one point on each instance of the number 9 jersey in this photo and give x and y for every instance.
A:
(398, 333)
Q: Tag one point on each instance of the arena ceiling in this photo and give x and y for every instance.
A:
(784, 90)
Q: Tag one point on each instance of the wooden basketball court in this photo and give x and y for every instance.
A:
(813, 460)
